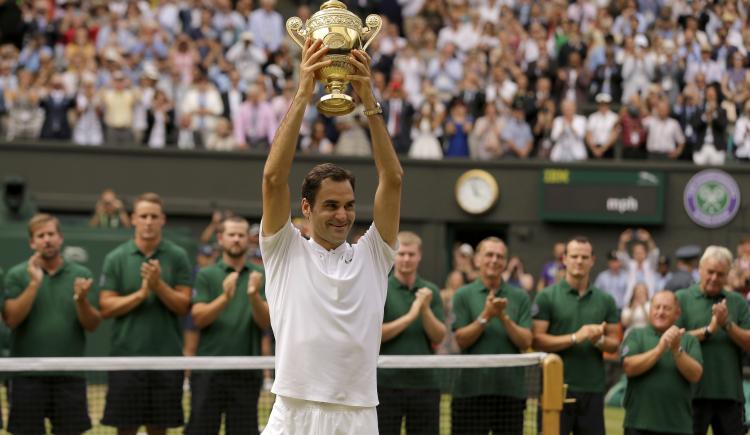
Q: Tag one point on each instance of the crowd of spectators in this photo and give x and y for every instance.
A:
(485, 79)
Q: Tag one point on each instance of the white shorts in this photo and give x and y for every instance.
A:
(303, 417)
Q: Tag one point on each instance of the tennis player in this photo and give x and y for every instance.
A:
(326, 296)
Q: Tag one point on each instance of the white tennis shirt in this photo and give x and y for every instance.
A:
(326, 313)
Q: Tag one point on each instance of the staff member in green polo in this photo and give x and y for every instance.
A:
(660, 361)
(579, 322)
(720, 321)
(412, 325)
(48, 310)
(231, 312)
(146, 286)
(492, 317)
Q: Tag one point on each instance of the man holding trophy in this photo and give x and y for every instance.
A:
(326, 296)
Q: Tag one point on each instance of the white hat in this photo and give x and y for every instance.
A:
(641, 40)
(603, 98)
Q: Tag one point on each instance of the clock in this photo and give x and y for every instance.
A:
(476, 191)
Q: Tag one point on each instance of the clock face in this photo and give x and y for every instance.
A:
(476, 191)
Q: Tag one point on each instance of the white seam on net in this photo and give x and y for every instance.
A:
(253, 362)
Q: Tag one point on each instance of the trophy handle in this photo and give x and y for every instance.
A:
(297, 31)
(373, 25)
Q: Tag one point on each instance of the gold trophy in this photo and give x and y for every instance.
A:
(341, 31)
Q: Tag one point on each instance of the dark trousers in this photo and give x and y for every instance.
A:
(61, 399)
(481, 414)
(726, 417)
(232, 393)
(421, 408)
(585, 416)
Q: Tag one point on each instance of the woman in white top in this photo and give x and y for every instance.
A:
(635, 315)
(88, 128)
(742, 134)
(568, 132)
(427, 129)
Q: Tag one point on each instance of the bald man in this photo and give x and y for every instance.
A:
(661, 362)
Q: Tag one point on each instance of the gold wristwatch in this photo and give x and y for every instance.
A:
(374, 111)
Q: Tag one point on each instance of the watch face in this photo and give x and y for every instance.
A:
(476, 191)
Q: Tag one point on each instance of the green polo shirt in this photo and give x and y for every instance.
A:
(468, 303)
(411, 341)
(722, 358)
(659, 400)
(4, 330)
(566, 312)
(150, 329)
(52, 328)
(234, 332)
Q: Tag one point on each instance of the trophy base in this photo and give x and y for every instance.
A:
(335, 104)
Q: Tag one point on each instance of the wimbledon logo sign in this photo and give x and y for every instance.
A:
(712, 198)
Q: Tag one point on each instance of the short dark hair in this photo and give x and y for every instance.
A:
(579, 239)
(315, 177)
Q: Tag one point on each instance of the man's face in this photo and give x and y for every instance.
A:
(664, 311)
(46, 241)
(713, 276)
(614, 265)
(639, 253)
(234, 240)
(408, 258)
(148, 220)
(491, 259)
(332, 215)
(578, 259)
(559, 251)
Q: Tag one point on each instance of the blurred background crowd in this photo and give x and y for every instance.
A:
(481, 79)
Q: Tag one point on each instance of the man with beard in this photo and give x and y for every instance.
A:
(721, 322)
(578, 322)
(146, 287)
(412, 325)
(492, 317)
(231, 324)
(48, 309)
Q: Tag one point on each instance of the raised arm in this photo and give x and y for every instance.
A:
(387, 208)
(276, 207)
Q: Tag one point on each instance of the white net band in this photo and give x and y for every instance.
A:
(253, 363)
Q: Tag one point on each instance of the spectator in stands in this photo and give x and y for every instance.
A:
(686, 272)
(665, 138)
(48, 308)
(568, 133)
(230, 309)
(268, 25)
(22, 104)
(88, 128)
(742, 134)
(256, 124)
(711, 69)
(222, 138)
(118, 105)
(635, 313)
(317, 142)
(353, 139)
(110, 212)
(56, 105)
(146, 285)
(638, 66)
(663, 274)
(202, 103)
(160, 122)
(247, 57)
(633, 134)
(602, 130)
(579, 322)
(492, 317)
(712, 130)
(518, 141)
(607, 77)
(458, 126)
(412, 325)
(543, 127)
(641, 263)
(742, 265)
(485, 139)
(553, 269)
(689, 114)
(428, 128)
(721, 322)
(661, 362)
(399, 116)
(463, 262)
(614, 280)
(452, 283)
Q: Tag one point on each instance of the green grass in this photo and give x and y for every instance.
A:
(613, 417)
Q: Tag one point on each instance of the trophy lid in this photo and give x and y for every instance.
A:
(330, 4)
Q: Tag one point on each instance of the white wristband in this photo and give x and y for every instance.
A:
(573, 338)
